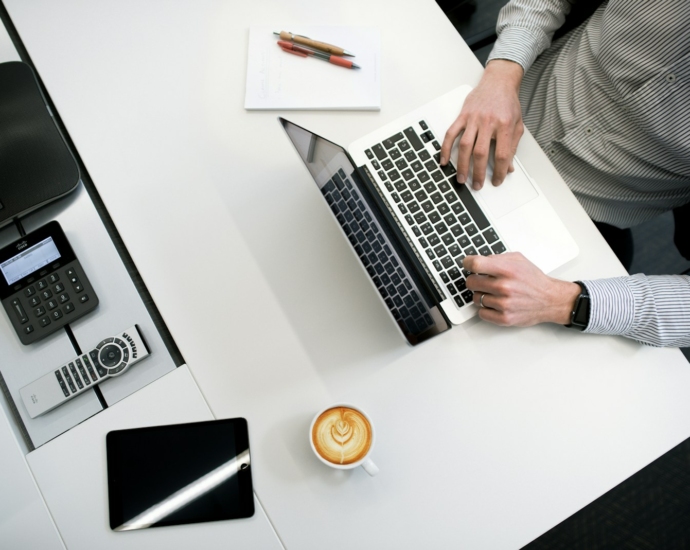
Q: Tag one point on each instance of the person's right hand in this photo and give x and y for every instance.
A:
(491, 112)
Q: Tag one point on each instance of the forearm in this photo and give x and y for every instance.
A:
(654, 310)
(525, 28)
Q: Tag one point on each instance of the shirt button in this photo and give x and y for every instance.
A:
(588, 130)
(670, 78)
(552, 151)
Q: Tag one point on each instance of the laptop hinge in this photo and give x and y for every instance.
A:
(400, 237)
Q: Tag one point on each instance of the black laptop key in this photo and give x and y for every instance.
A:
(430, 187)
(407, 174)
(375, 164)
(379, 151)
(329, 187)
(437, 197)
(464, 241)
(444, 187)
(406, 196)
(447, 262)
(370, 155)
(484, 251)
(382, 175)
(387, 164)
(421, 195)
(467, 296)
(457, 207)
(430, 165)
(401, 164)
(437, 176)
(400, 186)
(436, 145)
(394, 175)
(498, 248)
(420, 217)
(470, 251)
(454, 273)
(464, 218)
(413, 138)
(440, 250)
(395, 154)
(427, 206)
(404, 145)
(448, 239)
(472, 207)
(490, 235)
(434, 217)
(414, 207)
(438, 266)
(448, 169)
(414, 185)
(427, 229)
(391, 141)
(416, 166)
(471, 230)
(441, 228)
(409, 155)
(425, 138)
(424, 155)
(478, 240)
(450, 219)
(454, 249)
(423, 177)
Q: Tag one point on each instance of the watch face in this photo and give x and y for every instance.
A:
(581, 313)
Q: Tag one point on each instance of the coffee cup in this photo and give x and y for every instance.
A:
(342, 436)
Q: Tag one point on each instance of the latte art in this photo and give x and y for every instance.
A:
(342, 435)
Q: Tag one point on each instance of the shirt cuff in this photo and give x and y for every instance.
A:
(520, 45)
(611, 306)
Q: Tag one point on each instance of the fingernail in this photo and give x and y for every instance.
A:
(461, 178)
(443, 159)
(476, 186)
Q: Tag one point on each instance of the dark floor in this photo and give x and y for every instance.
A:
(650, 510)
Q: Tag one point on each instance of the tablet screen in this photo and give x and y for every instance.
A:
(181, 473)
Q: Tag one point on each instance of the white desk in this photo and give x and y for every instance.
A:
(487, 436)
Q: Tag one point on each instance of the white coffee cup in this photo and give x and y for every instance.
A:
(341, 435)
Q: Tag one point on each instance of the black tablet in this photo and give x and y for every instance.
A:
(181, 473)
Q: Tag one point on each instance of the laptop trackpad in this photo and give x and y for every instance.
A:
(515, 191)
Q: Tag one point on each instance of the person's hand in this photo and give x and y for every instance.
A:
(491, 112)
(515, 292)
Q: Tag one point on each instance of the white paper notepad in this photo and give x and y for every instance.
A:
(279, 80)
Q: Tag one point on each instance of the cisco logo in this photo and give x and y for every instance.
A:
(22, 245)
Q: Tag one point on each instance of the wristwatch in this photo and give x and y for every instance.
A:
(579, 318)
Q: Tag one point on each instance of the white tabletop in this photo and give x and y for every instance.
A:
(479, 428)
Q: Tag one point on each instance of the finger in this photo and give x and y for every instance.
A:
(517, 134)
(495, 265)
(485, 299)
(451, 135)
(511, 168)
(480, 158)
(465, 148)
(503, 157)
(483, 284)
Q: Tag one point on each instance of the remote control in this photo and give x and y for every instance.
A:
(112, 357)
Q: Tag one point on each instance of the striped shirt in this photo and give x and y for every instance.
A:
(609, 103)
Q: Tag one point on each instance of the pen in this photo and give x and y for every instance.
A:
(289, 47)
(305, 41)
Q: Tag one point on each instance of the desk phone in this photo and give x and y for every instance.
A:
(42, 284)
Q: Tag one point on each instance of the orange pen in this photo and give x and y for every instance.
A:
(289, 47)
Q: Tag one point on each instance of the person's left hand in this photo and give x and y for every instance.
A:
(515, 292)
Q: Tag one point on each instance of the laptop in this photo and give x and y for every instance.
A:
(411, 224)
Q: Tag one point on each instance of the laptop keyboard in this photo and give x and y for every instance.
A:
(376, 253)
(442, 214)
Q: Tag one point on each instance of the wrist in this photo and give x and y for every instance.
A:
(563, 297)
(506, 71)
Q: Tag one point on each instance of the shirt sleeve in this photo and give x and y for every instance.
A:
(654, 309)
(525, 29)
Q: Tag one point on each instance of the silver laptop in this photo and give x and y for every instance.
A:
(411, 224)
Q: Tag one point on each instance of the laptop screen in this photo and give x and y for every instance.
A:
(365, 222)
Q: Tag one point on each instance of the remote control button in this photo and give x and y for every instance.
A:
(104, 342)
(52, 304)
(78, 288)
(64, 298)
(42, 284)
(120, 343)
(53, 278)
(65, 372)
(84, 376)
(58, 288)
(39, 311)
(44, 322)
(19, 310)
(125, 355)
(28, 329)
(63, 386)
(71, 272)
(34, 301)
(69, 308)
(76, 376)
(117, 369)
(46, 294)
(110, 355)
(29, 291)
(90, 368)
(55, 315)
(84, 298)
